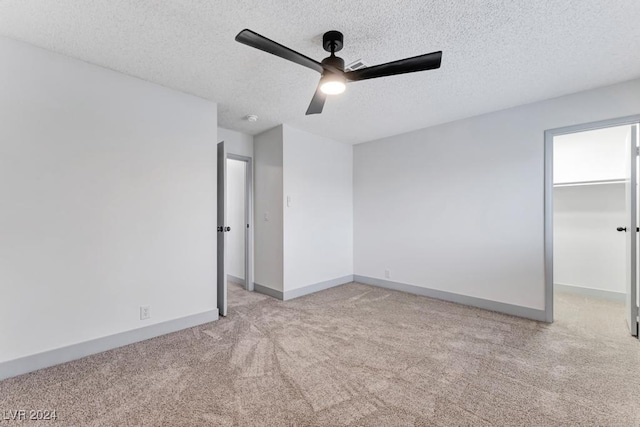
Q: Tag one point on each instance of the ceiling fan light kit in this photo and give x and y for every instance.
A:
(332, 84)
(333, 77)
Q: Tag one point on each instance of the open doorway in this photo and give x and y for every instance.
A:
(235, 217)
(591, 219)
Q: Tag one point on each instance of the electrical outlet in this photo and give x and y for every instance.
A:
(387, 274)
(145, 312)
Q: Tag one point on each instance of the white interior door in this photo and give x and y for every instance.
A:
(632, 234)
(222, 228)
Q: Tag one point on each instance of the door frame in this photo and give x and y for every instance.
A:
(549, 135)
(248, 218)
(221, 244)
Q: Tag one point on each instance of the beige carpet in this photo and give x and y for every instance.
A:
(355, 355)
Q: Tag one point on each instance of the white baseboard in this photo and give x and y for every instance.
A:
(500, 307)
(12, 368)
(305, 290)
(234, 279)
(590, 292)
(267, 290)
(316, 287)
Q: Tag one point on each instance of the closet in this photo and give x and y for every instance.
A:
(589, 199)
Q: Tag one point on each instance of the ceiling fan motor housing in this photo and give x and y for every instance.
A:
(334, 61)
(332, 41)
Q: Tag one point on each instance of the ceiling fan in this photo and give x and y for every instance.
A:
(331, 68)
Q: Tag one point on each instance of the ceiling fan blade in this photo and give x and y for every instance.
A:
(253, 39)
(429, 61)
(317, 102)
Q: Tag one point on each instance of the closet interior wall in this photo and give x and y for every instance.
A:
(589, 204)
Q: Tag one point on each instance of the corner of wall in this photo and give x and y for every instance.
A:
(268, 209)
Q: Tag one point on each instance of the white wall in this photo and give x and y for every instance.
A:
(459, 207)
(590, 156)
(236, 142)
(108, 188)
(310, 239)
(236, 180)
(268, 209)
(318, 213)
(587, 250)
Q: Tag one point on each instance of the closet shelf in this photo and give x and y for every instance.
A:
(596, 182)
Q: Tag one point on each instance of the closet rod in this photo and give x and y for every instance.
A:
(595, 182)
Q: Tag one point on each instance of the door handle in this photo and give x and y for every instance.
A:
(220, 229)
(621, 228)
(227, 229)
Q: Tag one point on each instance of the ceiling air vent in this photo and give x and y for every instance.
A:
(356, 65)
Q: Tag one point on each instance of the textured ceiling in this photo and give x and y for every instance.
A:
(497, 54)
